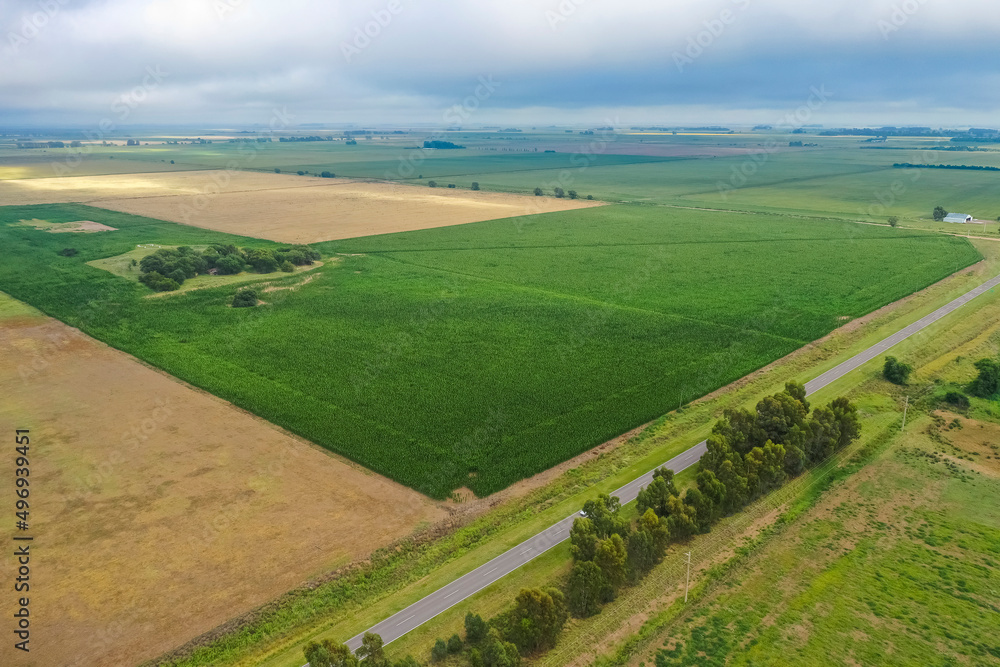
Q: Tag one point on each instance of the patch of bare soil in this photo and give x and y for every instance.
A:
(161, 512)
(979, 440)
(84, 226)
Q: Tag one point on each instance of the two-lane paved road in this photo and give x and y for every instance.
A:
(440, 600)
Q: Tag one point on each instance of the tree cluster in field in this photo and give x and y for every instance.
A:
(939, 213)
(896, 371)
(168, 268)
(987, 383)
(970, 167)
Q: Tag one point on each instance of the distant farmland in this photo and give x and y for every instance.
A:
(481, 354)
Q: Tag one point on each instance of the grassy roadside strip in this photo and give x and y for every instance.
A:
(350, 601)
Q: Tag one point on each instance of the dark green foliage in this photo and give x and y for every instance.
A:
(475, 628)
(612, 557)
(372, 651)
(177, 264)
(261, 260)
(896, 371)
(659, 491)
(455, 644)
(498, 652)
(586, 586)
(572, 194)
(475, 657)
(441, 145)
(538, 192)
(327, 174)
(451, 185)
(329, 654)
(590, 196)
(475, 185)
(604, 512)
(940, 213)
(440, 651)
(156, 281)
(987, 383)
(69, 252)
(682, 519)
(245, 298)
(791, 440)
(432, 184)
(559, 192)
(537, 618)
(893, 221)
(301, 173)
(704, 509)
(230, 265)
(287, 266)
(583, 539)
(957, 399)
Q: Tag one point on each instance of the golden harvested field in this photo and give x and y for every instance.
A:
(159, 512)
(279, 207)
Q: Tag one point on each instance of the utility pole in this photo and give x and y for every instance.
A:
(688, 584)
(905, 408)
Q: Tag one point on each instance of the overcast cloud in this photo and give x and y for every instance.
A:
(228, 62)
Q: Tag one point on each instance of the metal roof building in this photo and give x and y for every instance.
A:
(958, 217)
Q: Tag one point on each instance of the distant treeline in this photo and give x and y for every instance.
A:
(890, 131)
(713, 128)
(970, 167)
(286, 139)
(978, 139)
(441, 144)
(966, 149)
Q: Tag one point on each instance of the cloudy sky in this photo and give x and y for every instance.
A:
(224, 63)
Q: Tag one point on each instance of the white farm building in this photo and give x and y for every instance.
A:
(958, 217)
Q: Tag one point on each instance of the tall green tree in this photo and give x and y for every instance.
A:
(824, 433)
(656, 495)
(583, 539)
(585, 590)
(734, 478)
(612, 558)
(537, 618)
(498, 652)
(987, 383)
(475, 628)
(682, 519)
(740, 430)
(895, 371)
(372, 651)
(329, 654)
(848, 422)
(604, 512)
